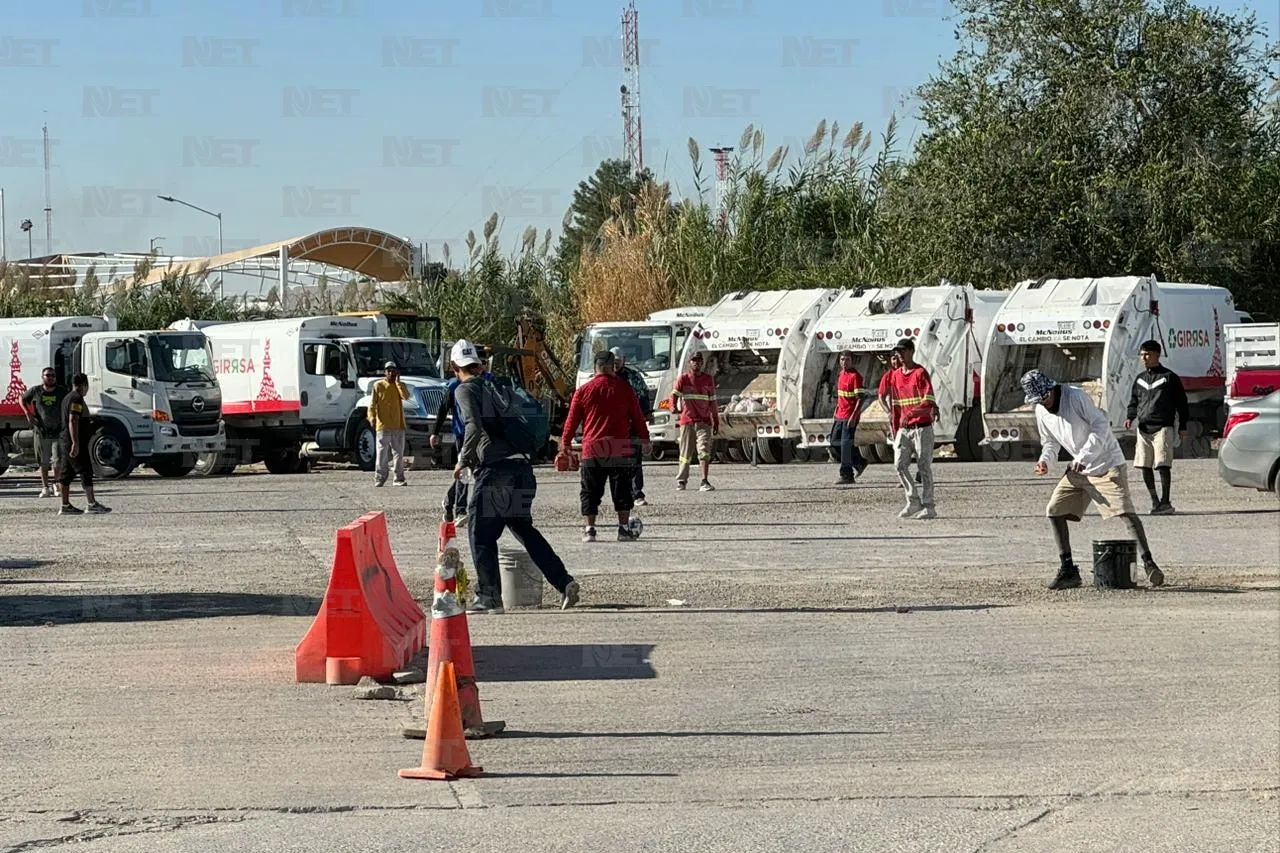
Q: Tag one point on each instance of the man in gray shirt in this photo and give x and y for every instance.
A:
(43, 405)
(501, 494)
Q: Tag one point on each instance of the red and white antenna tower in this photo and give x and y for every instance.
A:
(722, 182)
(632, 136)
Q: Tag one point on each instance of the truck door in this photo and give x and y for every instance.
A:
(119, 384)
(327, 390)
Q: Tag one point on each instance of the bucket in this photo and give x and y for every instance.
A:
(521, 580)
(1113, 562)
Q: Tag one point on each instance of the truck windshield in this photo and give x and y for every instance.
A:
(181, 357)
(412, 357)
(645, 348)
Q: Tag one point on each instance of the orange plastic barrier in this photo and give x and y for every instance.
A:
(369, 623)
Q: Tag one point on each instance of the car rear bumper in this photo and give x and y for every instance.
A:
(1243, 468)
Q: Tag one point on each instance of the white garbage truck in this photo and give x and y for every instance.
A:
(298, 389)
(948, 324)
(652, 346)
(1087, 332)
(751, 342)
(152, 399)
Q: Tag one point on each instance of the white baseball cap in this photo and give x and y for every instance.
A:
(464, 354)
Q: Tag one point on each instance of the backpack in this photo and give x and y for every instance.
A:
(520, 419)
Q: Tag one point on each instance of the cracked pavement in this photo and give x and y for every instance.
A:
(836, 679)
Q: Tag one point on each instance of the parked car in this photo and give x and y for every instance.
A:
(1249, 456)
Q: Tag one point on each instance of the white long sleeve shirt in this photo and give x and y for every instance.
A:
(1081, 428)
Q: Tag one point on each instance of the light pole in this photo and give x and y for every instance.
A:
(27, 226)
(153, 244)
(217, 216)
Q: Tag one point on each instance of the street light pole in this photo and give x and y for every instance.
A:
(217, 216)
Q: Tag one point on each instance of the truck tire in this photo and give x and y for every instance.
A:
(282, 460)
(173, 464)
(364, 446)
(969, 435)
(734, 450)
(801, 454)
(110, 452)
(215, 464)
(770, 450)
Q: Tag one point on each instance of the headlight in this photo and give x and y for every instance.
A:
(661, 417)
(169, 432)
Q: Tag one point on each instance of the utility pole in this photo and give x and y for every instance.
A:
(722, 178)
(4, 230)
(48, 197)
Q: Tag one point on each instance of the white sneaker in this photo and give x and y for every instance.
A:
(911, 510)
(927, 512)
(400, 483)
(46, 492)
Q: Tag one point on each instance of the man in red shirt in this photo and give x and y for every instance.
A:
(850, 397)
(609, 413)
(695, 392)
(913, 411)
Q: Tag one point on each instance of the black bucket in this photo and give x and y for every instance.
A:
(1113, 562)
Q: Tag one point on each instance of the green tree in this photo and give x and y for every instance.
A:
(611, 190)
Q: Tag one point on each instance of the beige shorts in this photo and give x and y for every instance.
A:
(1075, 492)
(695, 437)
(48, 452)
(1154, 451)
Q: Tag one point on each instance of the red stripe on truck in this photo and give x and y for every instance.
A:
(12, 409)
(1204, 383)
(259, 407)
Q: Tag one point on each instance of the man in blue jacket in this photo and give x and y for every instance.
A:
(455, 501)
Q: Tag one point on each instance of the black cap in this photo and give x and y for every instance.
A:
(905, 343)
(605, 357)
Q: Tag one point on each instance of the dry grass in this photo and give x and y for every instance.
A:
(620, 280)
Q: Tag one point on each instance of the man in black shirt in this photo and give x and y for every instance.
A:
(1157, 405)
(75, 448)
(43, 405)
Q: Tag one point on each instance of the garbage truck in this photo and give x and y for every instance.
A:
(747, 338)
(652, 346)
(1253, 359)
(298, 390)
(153, 398)
(948, 324)
(1087, 332)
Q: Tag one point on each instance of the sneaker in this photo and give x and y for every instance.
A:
(401, 483)
(571, 596)
(1068, 578)
(640, 501)
(1162, 509)
(857, 471)
(679, 485)
(478, 607)
(98, 509)
(1154, 575)
(911, 510)
(927, 512)
(589, 534)
(378, 484)
(46, 492)
(460, 520)
(630, 533)
(845, 481)
(706, 486)
(68, 509)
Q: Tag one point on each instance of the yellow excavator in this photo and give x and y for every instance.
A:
(532, 363)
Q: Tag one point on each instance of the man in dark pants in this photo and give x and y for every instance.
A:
(609, 413)
(1157, 406)
(501, 494)
(850, 397)
(75, 448)
(636, 380)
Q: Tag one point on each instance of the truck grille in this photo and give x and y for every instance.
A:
(192, 423)
(431, 398)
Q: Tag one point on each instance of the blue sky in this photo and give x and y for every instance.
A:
(278, 113)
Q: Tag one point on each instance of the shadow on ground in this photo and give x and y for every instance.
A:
(91, 607)
(586, 662)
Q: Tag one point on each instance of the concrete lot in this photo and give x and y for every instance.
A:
(835, 679)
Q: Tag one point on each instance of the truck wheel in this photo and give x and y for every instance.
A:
(968, 435)
(282, 460)
(215, 464)
(364, 447)
(734, 451)
(770, 450)
(173, 464)
(110, 452)
(657, 454)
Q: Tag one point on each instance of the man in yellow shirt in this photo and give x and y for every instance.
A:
(386, 413)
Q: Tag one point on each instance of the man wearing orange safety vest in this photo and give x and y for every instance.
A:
(695, 393)
(911, 418)
(850, 399)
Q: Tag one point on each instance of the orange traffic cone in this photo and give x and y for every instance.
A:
(444, 755)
